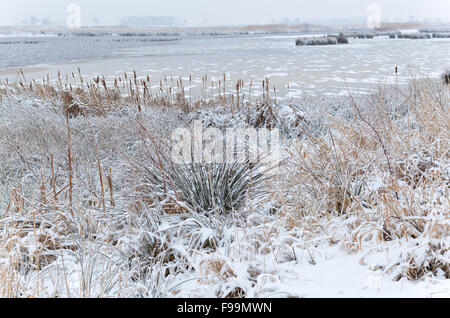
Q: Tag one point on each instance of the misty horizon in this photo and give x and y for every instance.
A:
(199, 12)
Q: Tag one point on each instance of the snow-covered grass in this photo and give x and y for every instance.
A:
(90, 205)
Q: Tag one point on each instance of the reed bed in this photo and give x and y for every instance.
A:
(385, 173)
(91, 206)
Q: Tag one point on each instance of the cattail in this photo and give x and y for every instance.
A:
(70, 160)
(224, 83)
(104, 83)
(23, 76)
(110, 186)
(263, 88)
(43, 198)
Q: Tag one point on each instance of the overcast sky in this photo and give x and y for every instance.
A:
(221, 12)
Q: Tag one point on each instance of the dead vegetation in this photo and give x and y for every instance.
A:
(91, 210)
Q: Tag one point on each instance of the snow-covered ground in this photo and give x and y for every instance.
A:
(92, 206)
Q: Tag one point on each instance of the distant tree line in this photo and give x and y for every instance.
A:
(148, 21)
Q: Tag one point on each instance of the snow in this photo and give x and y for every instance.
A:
(292, 244)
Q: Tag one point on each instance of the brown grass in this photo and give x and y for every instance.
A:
(404, 157)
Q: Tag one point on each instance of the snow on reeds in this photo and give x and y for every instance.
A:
(325, 40)
(92, 207)
(446, 78)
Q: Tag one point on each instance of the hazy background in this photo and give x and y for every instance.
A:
(229, 12)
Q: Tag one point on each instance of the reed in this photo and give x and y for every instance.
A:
(100, 98)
